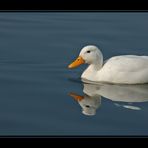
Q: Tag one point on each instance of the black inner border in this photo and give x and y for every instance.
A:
(73, 5)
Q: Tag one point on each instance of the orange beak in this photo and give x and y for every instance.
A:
(77, 62)
(76, 96)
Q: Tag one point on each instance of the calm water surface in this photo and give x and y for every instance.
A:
(35, 83)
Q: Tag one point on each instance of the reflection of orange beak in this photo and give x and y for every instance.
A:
(77, 62)
(76, 96)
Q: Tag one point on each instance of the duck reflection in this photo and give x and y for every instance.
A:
(91, 100)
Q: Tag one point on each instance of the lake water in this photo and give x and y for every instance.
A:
(35, 83)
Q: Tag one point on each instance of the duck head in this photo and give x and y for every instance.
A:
(90, 55)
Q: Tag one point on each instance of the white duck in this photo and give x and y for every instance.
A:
(124, 69)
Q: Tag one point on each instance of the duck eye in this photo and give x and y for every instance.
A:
(88, 51)
(87, 106)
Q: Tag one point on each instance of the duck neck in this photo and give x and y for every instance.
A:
(92, 70)
(97, 65)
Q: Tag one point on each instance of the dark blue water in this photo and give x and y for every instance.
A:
(35, 49)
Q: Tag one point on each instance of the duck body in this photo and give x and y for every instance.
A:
(124, 69)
